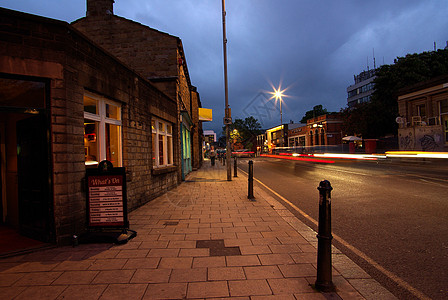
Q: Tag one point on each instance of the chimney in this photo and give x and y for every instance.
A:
(100, 7)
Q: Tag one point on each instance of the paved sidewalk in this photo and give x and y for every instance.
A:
(202, 240)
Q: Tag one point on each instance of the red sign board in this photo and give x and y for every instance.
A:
(106, 200)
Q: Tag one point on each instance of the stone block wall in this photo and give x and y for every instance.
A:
(156, 55)
(45, 48)
(149, 52)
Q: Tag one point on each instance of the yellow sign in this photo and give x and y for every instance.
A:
(205, 114)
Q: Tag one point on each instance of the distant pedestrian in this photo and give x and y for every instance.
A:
(212, 155)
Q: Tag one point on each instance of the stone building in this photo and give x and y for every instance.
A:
(158, 57)
(423, 120)
(65, 105)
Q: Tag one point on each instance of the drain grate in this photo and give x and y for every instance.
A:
(217, 248)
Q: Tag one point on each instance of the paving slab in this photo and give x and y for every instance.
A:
(202, 240)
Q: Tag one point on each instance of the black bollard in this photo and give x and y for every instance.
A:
(224, 161)
(250, 194)
(324, 281)
(235, 167)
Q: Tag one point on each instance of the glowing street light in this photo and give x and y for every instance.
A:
(278, 94)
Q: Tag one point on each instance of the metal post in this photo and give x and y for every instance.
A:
(235, 167)
(224, 161)
(250, 194)
(324, 277)
(226, 86)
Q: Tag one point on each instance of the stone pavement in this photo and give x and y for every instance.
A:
(202, 240)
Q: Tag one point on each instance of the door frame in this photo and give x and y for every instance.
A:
(46, 111)
(4, 204)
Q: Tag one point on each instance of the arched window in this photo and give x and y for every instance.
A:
(322, 137)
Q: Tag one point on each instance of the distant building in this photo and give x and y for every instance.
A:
(325, 130)
(209, 137)
(277, 137)
(423, 120)
(363, 88)
(297, 136)
(262, 143)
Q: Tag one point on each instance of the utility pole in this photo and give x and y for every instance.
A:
(228, 117)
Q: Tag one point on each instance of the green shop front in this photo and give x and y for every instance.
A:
(185, 133)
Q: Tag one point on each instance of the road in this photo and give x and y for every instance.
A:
(394, 213)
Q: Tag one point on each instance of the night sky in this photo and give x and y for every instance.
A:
(311, 49)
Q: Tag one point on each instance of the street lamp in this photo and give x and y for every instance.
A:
(278, 94)
(228, 117)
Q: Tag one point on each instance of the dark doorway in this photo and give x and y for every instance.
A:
(33, 179)
(26, 206)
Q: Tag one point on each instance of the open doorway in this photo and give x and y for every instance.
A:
(26, 205)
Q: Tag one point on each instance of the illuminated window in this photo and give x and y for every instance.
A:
(162, 143)
(102, 130)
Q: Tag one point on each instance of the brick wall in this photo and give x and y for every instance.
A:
(41, 47)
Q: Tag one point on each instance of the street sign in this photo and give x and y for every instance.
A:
(227, 121)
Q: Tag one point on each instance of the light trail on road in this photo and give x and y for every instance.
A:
(385, 215)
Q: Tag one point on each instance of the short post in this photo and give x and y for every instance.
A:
(324, 277)
(250, 194)
(224, 161)
(235, 167)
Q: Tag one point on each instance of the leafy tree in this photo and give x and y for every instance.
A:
(317, 110)
(376, 118)
(246, 131)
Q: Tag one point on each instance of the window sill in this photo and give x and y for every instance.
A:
(164, 170)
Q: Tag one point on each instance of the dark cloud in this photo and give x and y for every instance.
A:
(313, 48)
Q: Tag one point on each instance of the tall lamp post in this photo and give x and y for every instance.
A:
(278, 94)
(227, 118)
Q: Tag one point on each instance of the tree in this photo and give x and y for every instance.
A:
(317, 110)
(376, 118)
(246, 131)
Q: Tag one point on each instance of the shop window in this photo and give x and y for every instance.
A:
(444, 118)
(162, 143)
(322, 137)
(102, 131)
(421, 111)
(444, 107)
